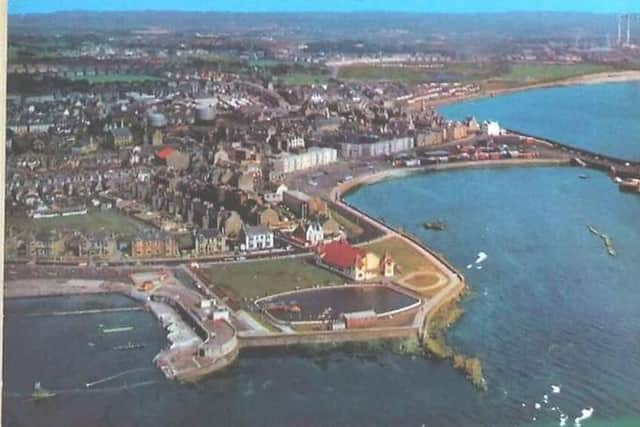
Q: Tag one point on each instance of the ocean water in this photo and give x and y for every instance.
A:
(549, 307)
(604, 118)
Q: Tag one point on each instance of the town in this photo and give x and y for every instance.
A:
(202, 175)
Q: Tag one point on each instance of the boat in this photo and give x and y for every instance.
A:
(128, 346)
(114, 330)
(435, 225)
(40, 393)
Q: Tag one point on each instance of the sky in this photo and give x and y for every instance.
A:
(450, 6)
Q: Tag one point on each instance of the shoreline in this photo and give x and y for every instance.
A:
(344, 189)
(627, 76)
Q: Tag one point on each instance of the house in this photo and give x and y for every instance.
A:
(153, 243)
(312, 234)
(100, 245)
(46, 244)
(491, 129)
(275, 197)
(297, 202)
(120, 137)
(210, 242)
(355, 263)
(257, 238)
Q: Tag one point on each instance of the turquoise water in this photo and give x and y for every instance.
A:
(603, 118)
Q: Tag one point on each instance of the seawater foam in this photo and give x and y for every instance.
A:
(481, 257)
(586, 414)
(555, 389)
(563, 420)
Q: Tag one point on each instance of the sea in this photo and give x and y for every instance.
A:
(604, 118)
(553, 317)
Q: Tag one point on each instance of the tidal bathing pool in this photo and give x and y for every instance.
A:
(331, 303)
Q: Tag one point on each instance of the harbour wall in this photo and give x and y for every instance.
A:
(326, 337)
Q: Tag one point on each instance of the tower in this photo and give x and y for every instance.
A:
(628, 29)
(619, 30)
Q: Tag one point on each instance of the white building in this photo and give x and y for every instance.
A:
(257, 238)
(313, 157)
(491, 129)
(314, 234)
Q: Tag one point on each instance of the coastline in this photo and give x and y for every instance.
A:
(588, 79)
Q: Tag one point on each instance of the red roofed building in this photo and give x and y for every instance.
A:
(164, 153)
(355, 263)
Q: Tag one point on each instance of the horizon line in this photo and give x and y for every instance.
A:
(285, 11)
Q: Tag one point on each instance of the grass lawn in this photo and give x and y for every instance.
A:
(114, 78)
(406, 257)
(299, 79)
(352, 229)
(542, 73)
(373, 72)
(260, 278)
(96, 220)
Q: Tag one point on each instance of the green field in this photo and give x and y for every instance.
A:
(542, 73)
(260, 278)
(299, 79)
(108, 220)
(116, 78)
(373, 72)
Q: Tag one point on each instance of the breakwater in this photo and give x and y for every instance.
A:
(610, 164)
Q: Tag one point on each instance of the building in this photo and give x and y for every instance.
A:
(257, 238)
(427, 138)
(360, 319)
(354, 263)
(210, 242)
(312, 234)
(153, 244)
(275, 197)
(46, 245)
(491, 129)
(375, 148)
(120, 137)
(99, 245)
(297, 202)
(314, 157)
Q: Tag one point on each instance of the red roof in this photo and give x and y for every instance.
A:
(340, 254)
(165, 153)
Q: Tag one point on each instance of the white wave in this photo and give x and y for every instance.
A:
(586, 414)
(481, 257)
(537, 405)
(469, 267)
(555, 389)
(524, 405)
(563, 420)
(545, 399)
(479, 267)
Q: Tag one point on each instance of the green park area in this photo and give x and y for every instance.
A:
(303, 78)
(259, 278)
(407, 258)
(374, 72)
(94, 221)
(544, 73)
(352, 229)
